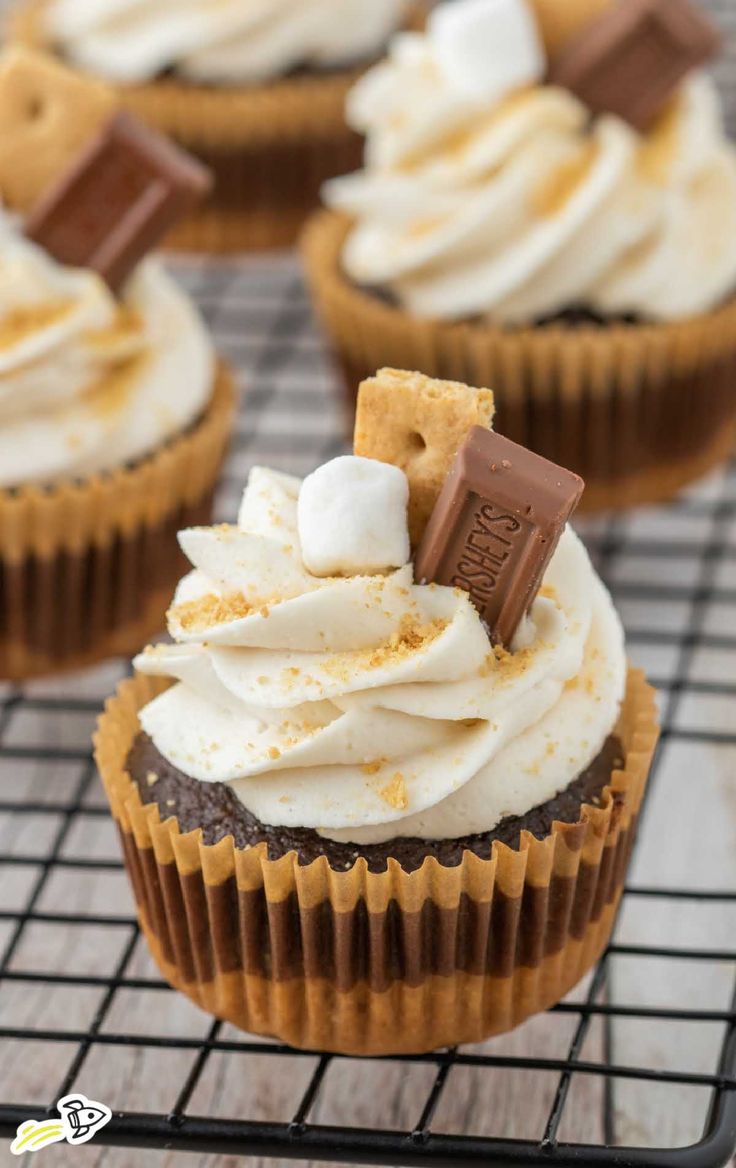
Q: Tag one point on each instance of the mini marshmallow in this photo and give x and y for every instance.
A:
(487, 48)
(353, 518)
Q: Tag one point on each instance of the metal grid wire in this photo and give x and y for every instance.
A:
(673, 573)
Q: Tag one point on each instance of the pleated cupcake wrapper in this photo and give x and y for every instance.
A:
(87, 568)
(271, 146)
(638, 410)
(376, 963)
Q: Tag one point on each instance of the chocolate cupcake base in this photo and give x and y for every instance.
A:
(377, 962)
(87, 568)
(219, 813)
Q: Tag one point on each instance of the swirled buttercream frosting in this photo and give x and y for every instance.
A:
(88, 382)
(218, 41)
(518, 205)
(369, 707)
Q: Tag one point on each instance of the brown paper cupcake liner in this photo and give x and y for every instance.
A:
(362, 962)
(271, 147)
(87, 568)
(638, 410)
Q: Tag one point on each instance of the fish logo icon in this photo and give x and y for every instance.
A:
(79, 1119)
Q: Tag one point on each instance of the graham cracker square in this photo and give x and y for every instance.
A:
(48, 114)
(418, 424)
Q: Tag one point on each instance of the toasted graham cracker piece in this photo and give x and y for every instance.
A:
(418, 424)
(48, 114)
(560, 21)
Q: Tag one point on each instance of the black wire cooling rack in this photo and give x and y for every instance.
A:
(673, 572)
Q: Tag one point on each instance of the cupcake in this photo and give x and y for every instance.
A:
(349, 819)
(114, 417)
(507, 230)
(255, 90)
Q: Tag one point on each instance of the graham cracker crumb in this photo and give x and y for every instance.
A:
(25, 320)
(198, 615)
(410, 637)
(548, 591)
(395, 793)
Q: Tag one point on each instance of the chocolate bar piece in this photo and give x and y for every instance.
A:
(495, 527)
(118, 200)
(632, 59)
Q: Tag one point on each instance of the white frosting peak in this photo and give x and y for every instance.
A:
(218, 41)
(88, 383)
(370, 707)
(517, 205)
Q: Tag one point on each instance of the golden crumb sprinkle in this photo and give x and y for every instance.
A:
(124, 331)
(410, 638)
(395, 793)
(372, 768)
(549, 592)
(514, 664)
(151, 778)
(488, 666)
(22, 322)
(559, 187)
(198, 615)
(274, 752)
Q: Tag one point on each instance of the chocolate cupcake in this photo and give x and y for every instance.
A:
(114, 412)
(573, 247)
(256, 90)
(352, 821)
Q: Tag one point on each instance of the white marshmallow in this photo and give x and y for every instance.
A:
(353, 518)
(487, 48)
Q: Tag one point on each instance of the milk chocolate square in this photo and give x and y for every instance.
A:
(118, 200)
(496, 525)
(632, 59)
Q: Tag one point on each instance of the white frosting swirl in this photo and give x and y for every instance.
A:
(88, 383)
(219, 42)
(522, 207)
(369, 707)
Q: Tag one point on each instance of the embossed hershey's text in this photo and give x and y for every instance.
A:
(492, 540)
